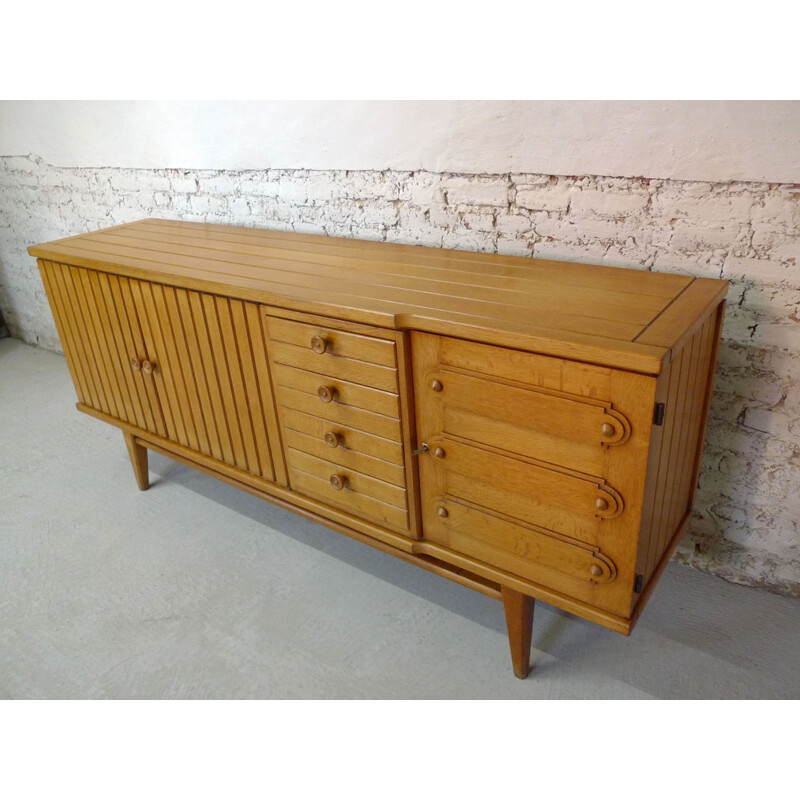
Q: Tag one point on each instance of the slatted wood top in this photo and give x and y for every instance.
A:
(624, 318)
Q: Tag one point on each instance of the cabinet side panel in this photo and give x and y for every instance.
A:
(676, 446)
(64, 330)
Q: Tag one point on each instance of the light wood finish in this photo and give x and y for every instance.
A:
(138, 456)
(675, 453)
(584, 312)
(488, 418)
(519, 619)
(345, 377)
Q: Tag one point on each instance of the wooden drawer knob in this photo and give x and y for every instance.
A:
(608, 430)
(438, 452)
(338, 481)
(436, 386)
(601, 504)
(333, 439)
(596, 570)
(148, 367)
(326, 393)
(318, 344)
(136, 364)
(442, 512)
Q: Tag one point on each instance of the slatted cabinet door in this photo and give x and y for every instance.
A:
(99, 328)
(212, 376)
(188, 366)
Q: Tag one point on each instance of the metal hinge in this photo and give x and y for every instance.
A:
(658, 414)
(420, 450)
(638, 584)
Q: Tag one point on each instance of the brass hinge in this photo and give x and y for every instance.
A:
(658, 414)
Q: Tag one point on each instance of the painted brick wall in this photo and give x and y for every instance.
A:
(747, 525)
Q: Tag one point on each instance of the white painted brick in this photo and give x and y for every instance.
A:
(545, 198)
(607, 204)
(513, 224)
(292, 191)
(260, 188)
(476, 192)
(224, 183)
(425, 190)
(183, 184)
(762, 270)
(512, 246)
(239, 206)
(442, 216)
(385, 214)
(478, 222)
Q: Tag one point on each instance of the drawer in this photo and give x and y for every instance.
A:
(523, 550)
(532, 492)
(350, 438)
(323, 341)
(346, 393)
(356, 358)
(349, 490)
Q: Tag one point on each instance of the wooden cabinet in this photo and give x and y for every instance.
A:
(531, 429)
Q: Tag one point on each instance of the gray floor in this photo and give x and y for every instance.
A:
(196, 590)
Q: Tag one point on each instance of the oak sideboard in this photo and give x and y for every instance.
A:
(527, 428)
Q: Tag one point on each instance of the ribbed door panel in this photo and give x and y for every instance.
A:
(209, 389)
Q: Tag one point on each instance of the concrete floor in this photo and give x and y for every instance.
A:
(196, 590)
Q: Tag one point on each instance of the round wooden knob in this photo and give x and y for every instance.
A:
(148, 367)
(338, 481)
(601, 504)
(326, 393)
(136, 364)
(438, 452)
(607, 430)
(436, 386)
(596, 570)
(333, 439)
(442, 511)
(318, 344)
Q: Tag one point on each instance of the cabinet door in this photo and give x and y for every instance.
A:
(211, 375)
(535, 465)
(187, 366)
(98, 325)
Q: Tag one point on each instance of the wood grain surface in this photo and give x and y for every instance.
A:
(606, 315)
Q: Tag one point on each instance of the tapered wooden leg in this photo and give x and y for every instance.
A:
(138, 456)
(519, 619)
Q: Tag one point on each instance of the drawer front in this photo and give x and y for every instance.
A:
(333, 343)
(349, 439)
(338, 393)
(346, 393)
(350, 490)
(535, 465)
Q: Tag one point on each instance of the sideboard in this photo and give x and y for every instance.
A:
(531, 429)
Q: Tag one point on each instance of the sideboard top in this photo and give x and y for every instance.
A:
(626, 318)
